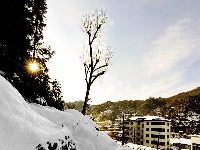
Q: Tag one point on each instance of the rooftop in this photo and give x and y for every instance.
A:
(148, 118)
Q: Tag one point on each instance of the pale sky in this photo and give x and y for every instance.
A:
(156, 47)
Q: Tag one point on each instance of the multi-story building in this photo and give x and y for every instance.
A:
(151, 131)
(195, 139)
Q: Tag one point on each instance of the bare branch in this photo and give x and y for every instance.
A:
(97, 75)
(96, 62)
(95, 34)
(100, 67)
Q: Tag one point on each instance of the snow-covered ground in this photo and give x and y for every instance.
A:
(26, 126)
(139, 147)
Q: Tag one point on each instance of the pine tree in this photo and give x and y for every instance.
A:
(56, 95)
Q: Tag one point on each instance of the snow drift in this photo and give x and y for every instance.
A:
(21, 128)
(83, 129)
(26, 126)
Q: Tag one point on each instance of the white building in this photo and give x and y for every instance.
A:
(195, 142)
(151, 131)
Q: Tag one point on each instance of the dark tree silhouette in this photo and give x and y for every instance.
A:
(96, 58)
(21, 40)
(56, 95)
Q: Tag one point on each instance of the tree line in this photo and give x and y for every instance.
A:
(178, 108)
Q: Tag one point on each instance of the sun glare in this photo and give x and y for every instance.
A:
(32, 67)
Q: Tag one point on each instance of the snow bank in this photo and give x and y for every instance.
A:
(83, 129)
(21, 128)
(26, 126)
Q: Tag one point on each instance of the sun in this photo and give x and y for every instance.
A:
(32, 67)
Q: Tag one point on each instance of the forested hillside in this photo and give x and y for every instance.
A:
(180, 103)
(179, 108)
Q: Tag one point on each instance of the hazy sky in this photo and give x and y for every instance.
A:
(156, 47)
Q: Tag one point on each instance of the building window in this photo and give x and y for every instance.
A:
(162, 143)
(147, 141)
(157, 123)
(154, 142)
(156, 136)
(158, 129)
(167, 136)
(147, 135)
(167, 124)
(167, 130)
(147, 129)
(138, 123)
(138, 128)
(195, 146)
(147, 123)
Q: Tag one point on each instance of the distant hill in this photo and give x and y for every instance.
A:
(78, 105)
(178, 107)
(180, 103)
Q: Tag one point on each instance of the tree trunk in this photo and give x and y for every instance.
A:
(86, 99)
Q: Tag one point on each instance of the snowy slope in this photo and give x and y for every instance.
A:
(21, 128)
(27, 126)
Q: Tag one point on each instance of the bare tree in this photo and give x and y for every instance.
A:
(96, 56)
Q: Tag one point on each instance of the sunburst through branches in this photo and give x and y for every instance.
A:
(32, 67)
